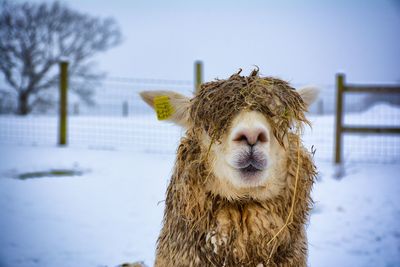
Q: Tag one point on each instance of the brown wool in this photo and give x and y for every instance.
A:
(195, 220)
(217, 103)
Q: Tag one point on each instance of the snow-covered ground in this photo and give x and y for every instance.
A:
(112, 213)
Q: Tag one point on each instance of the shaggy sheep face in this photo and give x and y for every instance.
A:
(249, 156)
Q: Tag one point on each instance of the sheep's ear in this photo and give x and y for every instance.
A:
(180, 105)
(309, 94)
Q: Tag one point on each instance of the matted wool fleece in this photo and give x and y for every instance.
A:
(193, 216)
(217, 102)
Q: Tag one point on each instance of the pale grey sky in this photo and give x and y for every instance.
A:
(301, 41)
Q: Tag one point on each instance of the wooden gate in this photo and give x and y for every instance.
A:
(341, 88)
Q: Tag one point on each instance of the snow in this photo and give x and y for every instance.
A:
(107, 216)
(355, 219)
(112, 213)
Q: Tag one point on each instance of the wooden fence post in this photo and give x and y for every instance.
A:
(340, 80)
(320, 107)
(198, 74)
(76, 109)
(63, 111)
(125, 109)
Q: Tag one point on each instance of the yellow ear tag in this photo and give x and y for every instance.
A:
(163, 107)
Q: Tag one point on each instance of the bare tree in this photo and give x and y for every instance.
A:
(35, 37)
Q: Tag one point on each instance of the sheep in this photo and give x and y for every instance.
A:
(239, 194)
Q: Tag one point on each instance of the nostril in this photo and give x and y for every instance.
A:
(262, 137)
(251, 137)
(240, 138)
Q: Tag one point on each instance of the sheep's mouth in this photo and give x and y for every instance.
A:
(251, 163)
(251, 169)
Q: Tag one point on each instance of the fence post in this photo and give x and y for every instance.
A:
(62, 137)
(125, 109)
(198, 74)
(320, 107)
(340, 80)
(76, 109)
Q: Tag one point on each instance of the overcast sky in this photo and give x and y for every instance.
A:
(301, 41)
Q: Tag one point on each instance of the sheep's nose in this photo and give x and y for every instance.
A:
(251, 136)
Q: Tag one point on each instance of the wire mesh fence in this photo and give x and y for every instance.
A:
(120, 120)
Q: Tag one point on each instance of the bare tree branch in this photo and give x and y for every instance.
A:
(35, 37)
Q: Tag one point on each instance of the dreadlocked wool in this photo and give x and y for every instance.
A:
(219, 101)
(204, 229)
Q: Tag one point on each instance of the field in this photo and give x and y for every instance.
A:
(110, 211)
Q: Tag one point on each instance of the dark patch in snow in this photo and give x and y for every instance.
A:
(50, 173)
(358, 252)
(136, 264)
(340, 209)
(339, 172)
(343, 170)
(316, 209)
